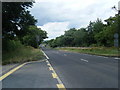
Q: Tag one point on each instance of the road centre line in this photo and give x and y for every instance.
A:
(84, 60)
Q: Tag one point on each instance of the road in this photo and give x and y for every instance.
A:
(75, 70)
(31, 75)
(83, 70)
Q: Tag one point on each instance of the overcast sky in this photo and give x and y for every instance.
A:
(56, 16)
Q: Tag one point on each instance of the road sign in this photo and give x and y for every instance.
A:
(116, 44)
(116, 35)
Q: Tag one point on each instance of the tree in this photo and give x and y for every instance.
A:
(106, 36)
(16, 19)
(80, 37)
(34, 37)
(91, 39)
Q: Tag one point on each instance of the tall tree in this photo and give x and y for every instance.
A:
(16, 18)
(34, 37)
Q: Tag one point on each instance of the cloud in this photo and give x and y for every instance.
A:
(55, 29)
(77, 13)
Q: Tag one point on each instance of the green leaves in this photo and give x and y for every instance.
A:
(15, 15)
(34, 36)
(19, 24)
(95, 34)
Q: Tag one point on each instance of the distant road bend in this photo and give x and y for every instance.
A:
(83, 70)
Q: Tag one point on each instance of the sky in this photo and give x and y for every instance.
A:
(57, 16)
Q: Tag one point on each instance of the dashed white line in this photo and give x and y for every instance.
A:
(84, 60)
(65, 55)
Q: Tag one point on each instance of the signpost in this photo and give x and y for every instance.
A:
(116, 35)
(116, 43)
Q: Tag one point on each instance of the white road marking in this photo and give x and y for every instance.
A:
(99, 56)
(105, 57)
(65, 55)
(102, 56)
(84, 60)
(116, 58)
(45, 54)
(58, 79)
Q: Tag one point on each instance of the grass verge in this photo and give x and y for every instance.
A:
(22, 54)
(103, 51)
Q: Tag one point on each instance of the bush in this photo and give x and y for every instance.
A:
(93, 45)
(10, 45)
(15, 52)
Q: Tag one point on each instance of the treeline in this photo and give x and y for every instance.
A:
(20, 35)
(18, 26)
(95, 34)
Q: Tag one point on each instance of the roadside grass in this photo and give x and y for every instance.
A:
(103, 51)
(21, 54)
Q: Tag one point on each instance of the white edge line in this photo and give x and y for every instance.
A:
(58, 79)
(45, 54)
(60, 82)
(105, 57)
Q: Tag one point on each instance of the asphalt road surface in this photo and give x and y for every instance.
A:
(31, 75)
(83, 70)
(75, 70)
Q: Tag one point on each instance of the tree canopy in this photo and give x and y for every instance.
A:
(95, 34)
(19, 24)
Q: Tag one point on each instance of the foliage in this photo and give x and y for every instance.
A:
(19, 24)
(18, 53)
(34, 37)
(16, 19)
(103, 51)
(95, 34)
(18, 30)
